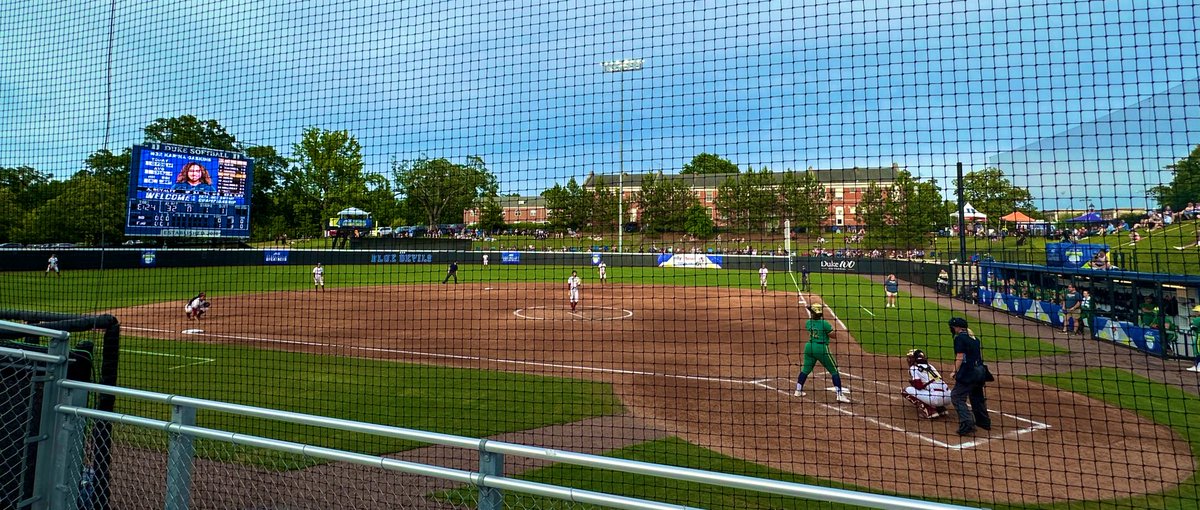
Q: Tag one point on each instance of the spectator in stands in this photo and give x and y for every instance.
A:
(1149, 312)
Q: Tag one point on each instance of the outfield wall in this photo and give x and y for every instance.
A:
(125, 258)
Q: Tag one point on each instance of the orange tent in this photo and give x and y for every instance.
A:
(1018, 217)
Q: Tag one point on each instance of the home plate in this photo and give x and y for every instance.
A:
(192, 331)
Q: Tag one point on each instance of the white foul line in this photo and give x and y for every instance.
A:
(200, 361)
(865, 310)
(757, 382)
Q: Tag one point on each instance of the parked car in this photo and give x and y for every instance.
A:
(11, 245)
(385, 231)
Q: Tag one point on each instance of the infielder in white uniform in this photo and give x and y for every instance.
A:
(928, 392)
(485, 259)
(319, 277)
(196, 307)
(762, 277)
(573, 289)
(603, 271)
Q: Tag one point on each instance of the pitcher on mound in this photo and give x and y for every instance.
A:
(573, 289)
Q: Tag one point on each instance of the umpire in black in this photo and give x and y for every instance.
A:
(452, 272)
(969, 380)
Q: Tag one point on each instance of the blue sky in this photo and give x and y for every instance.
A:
(762, 83)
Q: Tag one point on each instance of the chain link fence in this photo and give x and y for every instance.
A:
(19, 404)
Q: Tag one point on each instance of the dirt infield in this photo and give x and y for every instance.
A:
(716, 367)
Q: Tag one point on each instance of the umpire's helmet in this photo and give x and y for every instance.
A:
(917, 356)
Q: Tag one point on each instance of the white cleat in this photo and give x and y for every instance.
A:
(843, 398)
(1195, 368)
(798, 393)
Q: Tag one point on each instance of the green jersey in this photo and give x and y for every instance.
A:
(818, 330)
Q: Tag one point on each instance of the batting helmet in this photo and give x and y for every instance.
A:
(916, 356)
(1196, 308)
(816, 308)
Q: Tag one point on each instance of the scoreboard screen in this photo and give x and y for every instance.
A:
(181, 191)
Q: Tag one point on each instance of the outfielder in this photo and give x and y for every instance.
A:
(603, 269)
(816, 349)
(52, 265)
(318, 277)
(927, 391)
(196, 307)
(762, 277)
(573, 289)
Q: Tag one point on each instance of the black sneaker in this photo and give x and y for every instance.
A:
(966, 431)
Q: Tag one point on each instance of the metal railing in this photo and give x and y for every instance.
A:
(176, 464)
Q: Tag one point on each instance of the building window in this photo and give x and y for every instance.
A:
(517, 213)
(839, 192)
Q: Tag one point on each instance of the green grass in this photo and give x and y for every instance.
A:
(915, 323)
(671, 451)
(1158, 402)
(891, 331)
(466, 402)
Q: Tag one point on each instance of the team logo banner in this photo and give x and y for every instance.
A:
(693, 260)
(275, 256)
(510, 257)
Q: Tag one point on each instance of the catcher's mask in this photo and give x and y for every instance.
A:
(916, 356)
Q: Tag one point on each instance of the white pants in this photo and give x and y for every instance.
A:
(319, 280)
(935, 396)
(574, 298)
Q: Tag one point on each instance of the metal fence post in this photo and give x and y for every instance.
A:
(180, 455)
(44, 475)
(68, 456)
(491, 464)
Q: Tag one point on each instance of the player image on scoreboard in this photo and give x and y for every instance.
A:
(181, 191)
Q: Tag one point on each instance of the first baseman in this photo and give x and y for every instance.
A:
(820, 332)
(196, 307)
(573, 289)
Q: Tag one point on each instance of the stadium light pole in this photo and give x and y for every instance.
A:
(621, 66)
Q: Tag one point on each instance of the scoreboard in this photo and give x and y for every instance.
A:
(181, 191)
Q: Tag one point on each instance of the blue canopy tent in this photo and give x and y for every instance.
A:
(1092, 217)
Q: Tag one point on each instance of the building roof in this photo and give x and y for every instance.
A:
(507, 202)
(714, 181)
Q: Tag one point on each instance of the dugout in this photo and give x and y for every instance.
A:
(1145, 311)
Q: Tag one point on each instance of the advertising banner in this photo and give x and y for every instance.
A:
(1072, 255)
(693, 260)
(510, 257)
(275, 256)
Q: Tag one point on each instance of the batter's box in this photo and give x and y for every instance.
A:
(855, 411)
(565, 313)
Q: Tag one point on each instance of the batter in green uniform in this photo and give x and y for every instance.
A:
(820, 332)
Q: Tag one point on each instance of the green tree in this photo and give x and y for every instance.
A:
(994, 195)
(803, 200)
(604, 205)
(902, 214)
(1185, 182)
(327, 177)
(190, 131)
(89, 210)
(440, 189)
(568, 206)
(11, 214)
(491, 214)
(705, 163)
(25, 183)
(663, 204)
(750, 200)
(267, 219)
(699, 222)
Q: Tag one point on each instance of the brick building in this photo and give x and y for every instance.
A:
(845, 186)
(516, 210)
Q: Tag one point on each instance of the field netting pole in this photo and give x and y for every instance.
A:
(787, 244)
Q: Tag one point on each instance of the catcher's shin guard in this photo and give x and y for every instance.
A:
(922, 408)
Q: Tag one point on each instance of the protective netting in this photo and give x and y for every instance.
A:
(385, 203)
